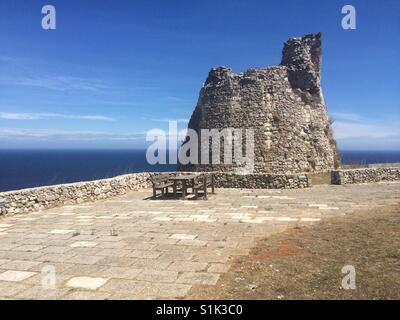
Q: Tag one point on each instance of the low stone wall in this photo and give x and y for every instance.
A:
(261, 181)
(34, 199)
(255, 180)
(370, 165)
(365, 175)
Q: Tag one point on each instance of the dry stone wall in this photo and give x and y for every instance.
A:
(35, 199)
(284, 106)
(261, 181)
(365, 175)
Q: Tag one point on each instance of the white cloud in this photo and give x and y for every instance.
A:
(167, 119)
(355, 132)
(60, 83)
(175, 99)
(39, 133)
(48, 116)
(346, 116)
(345, 130)
(81, 135)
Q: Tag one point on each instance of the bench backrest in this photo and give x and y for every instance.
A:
(204, 176)
(160, 178)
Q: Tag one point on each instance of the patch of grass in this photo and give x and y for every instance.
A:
(306, 262)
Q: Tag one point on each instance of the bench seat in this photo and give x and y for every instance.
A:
(161, 183)
(201, 183)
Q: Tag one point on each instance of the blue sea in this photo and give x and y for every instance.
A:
(31, 168)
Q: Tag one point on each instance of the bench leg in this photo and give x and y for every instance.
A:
(174, 188)
(205, 189)
(154, 193)
(183, 188)
(212, 184)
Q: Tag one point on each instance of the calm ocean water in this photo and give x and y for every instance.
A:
(31, 168)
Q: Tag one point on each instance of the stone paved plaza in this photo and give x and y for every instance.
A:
(132, 247)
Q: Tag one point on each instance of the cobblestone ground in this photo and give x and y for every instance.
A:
(131, 247)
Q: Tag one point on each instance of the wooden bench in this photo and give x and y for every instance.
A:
(184, 181)
(202, 182)
(161, 182)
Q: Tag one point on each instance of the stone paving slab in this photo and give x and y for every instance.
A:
(130, 247)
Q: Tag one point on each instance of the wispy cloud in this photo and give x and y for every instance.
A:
(183, 120)
(356, 132)
(352, 125)
(347, 116)
(345, 130)
(40, 133)
(81, 135)
(59, 83)
(49, 116)
(175, 99)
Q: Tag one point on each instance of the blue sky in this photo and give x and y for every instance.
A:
(114, 69)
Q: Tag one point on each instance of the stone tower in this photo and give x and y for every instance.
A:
(284, 106)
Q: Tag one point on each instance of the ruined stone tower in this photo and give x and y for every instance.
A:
(284, 106)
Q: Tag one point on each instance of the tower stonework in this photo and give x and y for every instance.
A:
(282, 104)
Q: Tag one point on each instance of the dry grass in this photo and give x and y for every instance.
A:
(306, 262)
